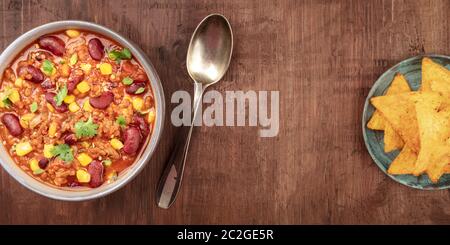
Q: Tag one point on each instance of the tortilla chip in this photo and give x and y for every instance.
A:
(432, 71)
(376, 122)
(392, 141)
(399, 111)
(440, 86)
(404, 163)
(433, 118)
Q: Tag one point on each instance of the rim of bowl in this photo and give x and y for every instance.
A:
(366, 106)
(131, 172)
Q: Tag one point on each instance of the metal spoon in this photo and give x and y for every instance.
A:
(207, 60)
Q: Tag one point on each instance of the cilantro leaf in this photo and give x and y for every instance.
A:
(47, 67)
(33, 107)
(117, 55)
(140, 90)
(121, 121)
(62, 93)
(6, 102)
(86, 129)
(127, 81)
(126, 54)
(63, 151)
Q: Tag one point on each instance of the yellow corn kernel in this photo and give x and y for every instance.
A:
(69, 99)
(83, 87)
(48, 150)
(65, 70)
(138, 103)
(83, 176)
(84, 159)
(87, 106)
(105, 68)
(151, 116)
(18, 82)
(85, 144)
(73, 107)
(14, 96)
(50, 107)
(86, 67)
(34, 165)
(116, 144)
(52, 129)
(72, 33)
(23, 148)
(25, 119)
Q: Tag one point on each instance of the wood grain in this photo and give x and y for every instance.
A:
(323, 56)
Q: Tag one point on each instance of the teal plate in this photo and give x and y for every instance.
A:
(411, 69)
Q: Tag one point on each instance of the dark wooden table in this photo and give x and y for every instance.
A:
(323, 57)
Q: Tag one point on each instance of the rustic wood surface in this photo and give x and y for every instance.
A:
(323, 56)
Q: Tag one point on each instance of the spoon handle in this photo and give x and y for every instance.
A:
(170, 182)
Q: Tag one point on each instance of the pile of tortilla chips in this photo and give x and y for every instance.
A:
(417, 122)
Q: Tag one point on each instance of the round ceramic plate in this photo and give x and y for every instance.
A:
(411, 69)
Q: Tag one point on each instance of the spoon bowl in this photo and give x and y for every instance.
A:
(210, 49)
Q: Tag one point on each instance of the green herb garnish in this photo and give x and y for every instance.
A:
(63, 151)
(33, 107)
(140, 90)
(86, 129)
(117, 55)
(6, 102)
(62, 93)
(48, 68)
(127, 81)
(121, 121)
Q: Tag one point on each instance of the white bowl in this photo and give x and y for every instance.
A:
(80, 194)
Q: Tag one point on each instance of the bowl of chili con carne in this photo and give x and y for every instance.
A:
(81, 110)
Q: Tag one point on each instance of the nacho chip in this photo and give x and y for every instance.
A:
(440, 86)
(392, 141)
(399, 111)
(376, 122)
(404, 163)
(433, 118)
(433, 72)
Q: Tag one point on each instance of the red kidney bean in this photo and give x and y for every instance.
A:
(48, 84)
(11, 122)
(76, 76)
(141, 124)
(102, 101)
(69, 138)
(31, 73)
(50, 97)
(72, 181)
(96, 49)
(134, 87)
(95, 169)
(43, 162)
(53, 44)
(128, 67)
(132, 140)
